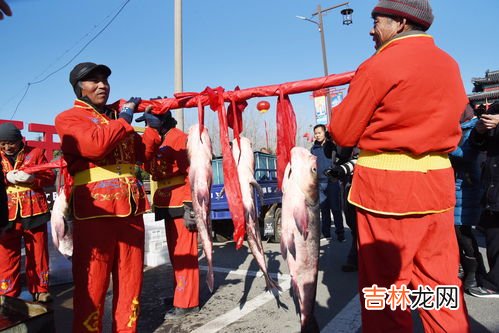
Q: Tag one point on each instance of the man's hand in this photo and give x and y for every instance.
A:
(487, 122)
(189, 218)
(11, 176)
(25, 178)
(4, 9)
(128, 108)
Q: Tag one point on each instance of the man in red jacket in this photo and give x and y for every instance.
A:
(28, 216)
(173, 202)
(402, 110)
(102, 149)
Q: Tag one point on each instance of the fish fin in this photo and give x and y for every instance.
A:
(300, 214)
(296, 291)
(291, 246)
(258, 189)
(284, 249)
(272, 285)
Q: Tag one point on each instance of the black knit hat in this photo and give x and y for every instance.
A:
(9, 132)
(83, 70)
(416, 11)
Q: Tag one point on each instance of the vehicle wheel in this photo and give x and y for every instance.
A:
(277, 226)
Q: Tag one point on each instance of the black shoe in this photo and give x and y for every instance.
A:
(482, 292)
(175, 313)
(341, 238)
(349, 268)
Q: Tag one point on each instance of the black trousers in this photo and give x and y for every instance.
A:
(351, 220)
(490, 223)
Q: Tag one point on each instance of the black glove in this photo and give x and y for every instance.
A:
(159, 97)
(127, 111)
(189, 218)
(151, 120)
(333, 173)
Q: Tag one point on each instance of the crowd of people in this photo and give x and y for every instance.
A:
(383, 161)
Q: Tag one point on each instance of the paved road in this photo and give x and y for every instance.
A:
(239, 303)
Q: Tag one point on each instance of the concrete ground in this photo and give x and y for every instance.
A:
(239, 303)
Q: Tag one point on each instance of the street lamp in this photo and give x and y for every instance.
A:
(347, 20)
(347, 16)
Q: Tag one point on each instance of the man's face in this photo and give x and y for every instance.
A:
(319, 134)
(96, 88)
(383, 30)
(10, 147)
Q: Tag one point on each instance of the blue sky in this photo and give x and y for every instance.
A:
(227, 43)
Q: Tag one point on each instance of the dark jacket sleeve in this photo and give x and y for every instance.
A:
(329, 149)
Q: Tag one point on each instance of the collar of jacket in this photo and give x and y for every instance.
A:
(403, 35)
(78, 103)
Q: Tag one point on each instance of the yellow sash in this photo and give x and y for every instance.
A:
(17, 189)
(105, 172)
(403, 162)
(169, 182)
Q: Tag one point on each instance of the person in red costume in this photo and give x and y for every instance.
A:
(28, 214)
(402, 110)
(102, 149)
(172, 202)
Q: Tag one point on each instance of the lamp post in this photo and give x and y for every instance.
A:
(347, 20)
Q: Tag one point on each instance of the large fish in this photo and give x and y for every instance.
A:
(246, 169)
(61, 225)
(300, 231)
(200, 178)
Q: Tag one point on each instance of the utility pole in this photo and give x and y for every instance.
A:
(324, 56)
(178, 67)
(347, 19)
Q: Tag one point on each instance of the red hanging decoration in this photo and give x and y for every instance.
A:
(263, 106)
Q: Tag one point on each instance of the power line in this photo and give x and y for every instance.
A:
(29, 84)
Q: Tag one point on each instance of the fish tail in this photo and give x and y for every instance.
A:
(309, 324)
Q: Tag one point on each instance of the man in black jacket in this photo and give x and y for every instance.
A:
(485, 136)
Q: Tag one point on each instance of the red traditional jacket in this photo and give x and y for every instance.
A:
(402, 110)
(169, 166)
(29, 199)
(102, 154)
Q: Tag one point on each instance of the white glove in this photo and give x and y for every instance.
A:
(11, 176)
(23, 177)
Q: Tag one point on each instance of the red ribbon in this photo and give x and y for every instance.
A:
(231, 180)
(286, 134)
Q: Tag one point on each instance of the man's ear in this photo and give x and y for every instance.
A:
(402, 25)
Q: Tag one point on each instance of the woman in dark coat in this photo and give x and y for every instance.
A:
(466, 163)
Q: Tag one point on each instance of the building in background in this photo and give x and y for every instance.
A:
(486, 89)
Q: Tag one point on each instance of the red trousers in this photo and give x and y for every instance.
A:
(412, 251)
(103, 246)
(37, 260)
(183, 249)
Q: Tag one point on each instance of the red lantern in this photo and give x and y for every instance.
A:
(263, 106)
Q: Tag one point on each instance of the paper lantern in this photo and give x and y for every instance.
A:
(263, 106)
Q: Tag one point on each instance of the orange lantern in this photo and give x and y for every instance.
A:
(263, 106)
